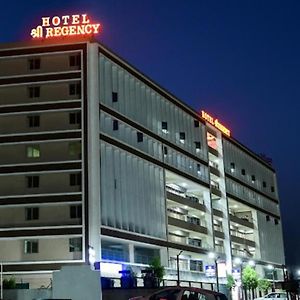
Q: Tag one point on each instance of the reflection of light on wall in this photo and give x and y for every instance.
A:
(110, 268)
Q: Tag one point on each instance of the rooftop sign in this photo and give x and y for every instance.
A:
(68, 25)
(215, 123)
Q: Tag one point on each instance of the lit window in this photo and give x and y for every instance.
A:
(75, 118)
(75, 60)
(164, 127)
(31, 246)
(75, 245)
(232, 167)
(114, 97)
(75, 211)
(33, 151)
(196, 123)
(34, 63)
(33, 181)
(31, 213)
(243, 172)
(252, 178)
(75, 89)
(198, 146)
(34, 92)
(182, 137)
(199, 169)
(140, 137)
(33, 121)
(75, 179)
(115, 125)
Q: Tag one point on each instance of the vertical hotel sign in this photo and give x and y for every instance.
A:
(68, 25)
(215, 123)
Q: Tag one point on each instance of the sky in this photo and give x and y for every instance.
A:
(238, 60)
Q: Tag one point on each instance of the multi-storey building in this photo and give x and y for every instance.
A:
(95, 155)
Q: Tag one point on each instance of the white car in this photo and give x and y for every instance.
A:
(276, 295)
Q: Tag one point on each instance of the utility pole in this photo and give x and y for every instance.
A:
(1, 280)
(177, 260)
(217, 273)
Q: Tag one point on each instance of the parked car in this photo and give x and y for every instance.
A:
(277, 295)
(182, 293)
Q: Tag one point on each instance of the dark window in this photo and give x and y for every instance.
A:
(196, 265)
(75, 211)
(140, 137)
(252, 178)
(114, 97)
(243, 172)
(34, 91)
(164, 126)
(75, 245)
(75, 60)
(75, 118)
(232, 167)
(165, 150)
(32, 213)
(75, 179)
(196, 123)
(31, 246)
(34, 63)
(182, 136)
(33, 181)
(276, 221)
(75, 88)
(197, 145)
(115, 125)
(267, 218)
(272, 189)
(199, 169)
(34, 121)
(264, 184)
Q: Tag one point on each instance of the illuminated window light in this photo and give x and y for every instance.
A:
(164, 127)
(110, 268)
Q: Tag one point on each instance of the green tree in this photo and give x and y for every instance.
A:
(230, 282)
(158, 269)
(249, 280)
(264, 285)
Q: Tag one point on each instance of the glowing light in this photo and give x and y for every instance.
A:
(237, 261)
(251, 263)
(270, 267)
(215, 123)
(110, 268)
(68, 25)
(211, 255)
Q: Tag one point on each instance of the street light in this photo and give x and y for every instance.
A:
(1, 280)
(177, 260)
(213, 256)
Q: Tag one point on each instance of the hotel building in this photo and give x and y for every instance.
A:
(95, 155)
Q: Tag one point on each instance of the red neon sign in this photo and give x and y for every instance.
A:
(68, 25)
(215, 123)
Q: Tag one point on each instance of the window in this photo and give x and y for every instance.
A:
(198, 146)
(115, 125)
(75, 245)
(276, 221)
(75, 60)
(140, 137)
(114, 97)
(34, 91)
(31, 213)
(264, 184)
(232, 167)
(164, 127)
(196, 123)
(33, 151)
(198, 169)
(33, 181)
(34, 63)
(75, 211)
(252, 178)
(165, 150)
(268, 218)
(75, 118)
(33, 121)
(31, 246)
(272, 189)
(196, 265)
(182, 137)
(75, 179)
(243, 172)
(75, 89)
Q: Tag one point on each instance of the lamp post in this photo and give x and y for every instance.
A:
(213, 255)
(177, 260)
(1, 280)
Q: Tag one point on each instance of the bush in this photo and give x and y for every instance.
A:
(9, 283)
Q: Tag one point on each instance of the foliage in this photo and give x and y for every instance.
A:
(230, 282)
(249, 278)
(157, 268)
(263, 284)
(9, 283)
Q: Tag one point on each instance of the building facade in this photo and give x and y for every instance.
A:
(97, 158)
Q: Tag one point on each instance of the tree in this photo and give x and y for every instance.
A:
(157, 268)
(230, 282)
(264, 285)
(249, 280)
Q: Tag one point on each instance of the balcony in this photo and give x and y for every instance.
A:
(242, 240)
(219, 234)
(217, 213)
(215, 189)
(242, 221)
(186, 225)
(214, 168)
(213, 151)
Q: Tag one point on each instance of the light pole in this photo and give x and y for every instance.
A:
(177, 260)
(1, 280)
(213, 255)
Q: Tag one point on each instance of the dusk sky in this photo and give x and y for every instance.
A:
(238, 60)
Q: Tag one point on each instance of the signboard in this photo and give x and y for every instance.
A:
(210, 271)
(215, 123)
(236, 273)
(67, 25)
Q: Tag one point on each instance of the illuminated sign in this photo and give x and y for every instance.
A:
(215, 122)
(69, 25)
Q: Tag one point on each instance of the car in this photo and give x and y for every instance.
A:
(182, 293)
(277, 295)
